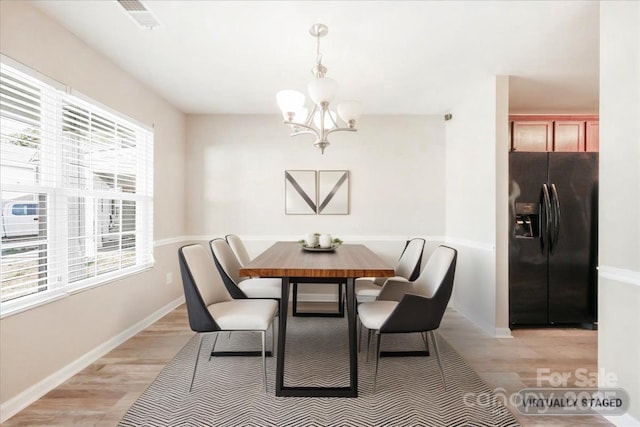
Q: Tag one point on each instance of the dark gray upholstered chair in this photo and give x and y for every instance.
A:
(408, 268)
(404, 307)
(211, 308)
(242, 287)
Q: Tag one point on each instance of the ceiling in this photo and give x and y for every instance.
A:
(397, 57)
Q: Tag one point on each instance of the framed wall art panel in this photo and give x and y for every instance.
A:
(300, 190)
(333, 192)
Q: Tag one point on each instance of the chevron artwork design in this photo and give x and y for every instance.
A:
(228, 391)
(300, 192)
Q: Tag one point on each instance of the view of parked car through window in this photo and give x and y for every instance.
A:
(19, 219)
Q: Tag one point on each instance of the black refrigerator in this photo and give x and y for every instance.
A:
(553, 203)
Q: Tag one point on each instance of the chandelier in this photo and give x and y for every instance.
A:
(321, 121)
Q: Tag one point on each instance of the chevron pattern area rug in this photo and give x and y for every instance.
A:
(228, 391)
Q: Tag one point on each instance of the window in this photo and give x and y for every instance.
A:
(76, 191)
(23, 209)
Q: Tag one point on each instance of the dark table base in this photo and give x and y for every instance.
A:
(339, 313)
(352, 390)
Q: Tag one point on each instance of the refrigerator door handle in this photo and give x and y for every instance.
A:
(545, 235)
(556, 218)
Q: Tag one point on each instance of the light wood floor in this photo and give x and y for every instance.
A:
(102, 393)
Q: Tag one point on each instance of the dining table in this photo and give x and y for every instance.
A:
(293, 263)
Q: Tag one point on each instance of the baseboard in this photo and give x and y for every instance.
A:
(489, 330)
(14, 405)
(503, 333)
(625, 420)
(308, 297)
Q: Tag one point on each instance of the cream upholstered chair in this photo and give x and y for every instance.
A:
(404, 307)
(408, 269)
(238, 248)
(211, 308)
(240, 287)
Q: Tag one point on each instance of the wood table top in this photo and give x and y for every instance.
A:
(288, 259)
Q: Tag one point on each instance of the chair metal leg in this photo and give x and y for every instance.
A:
(426, 341)
(375, 375)
(264, 360)
(369, 334)
(273, 336)
(435, 347)
(215, 340)
(195, 366)
(359, 335)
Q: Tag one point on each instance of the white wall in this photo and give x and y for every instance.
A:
(236, 176)
(43, 346)
(471, 195)
(619, 225)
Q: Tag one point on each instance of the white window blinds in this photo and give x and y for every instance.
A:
(76, 192)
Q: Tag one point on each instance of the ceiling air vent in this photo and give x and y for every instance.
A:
(139, 13)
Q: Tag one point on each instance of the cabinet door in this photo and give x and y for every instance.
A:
(568, 135)
(532, 135)
(593, 136)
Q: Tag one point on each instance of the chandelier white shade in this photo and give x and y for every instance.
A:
(320, 121)
(350, 111)
(290, 100)
(322, 90)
